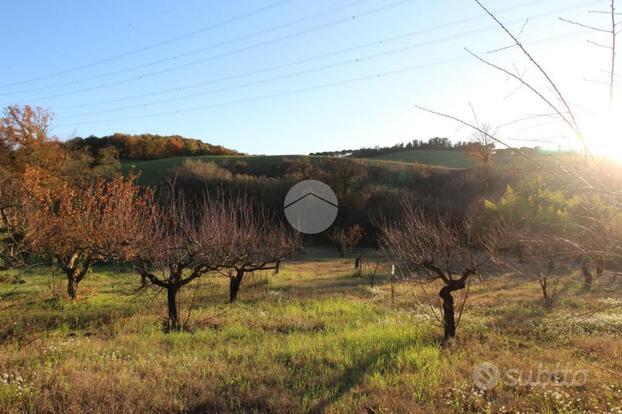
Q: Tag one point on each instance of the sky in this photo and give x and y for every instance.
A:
(300, 76)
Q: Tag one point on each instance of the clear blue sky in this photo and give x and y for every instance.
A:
(274, 77)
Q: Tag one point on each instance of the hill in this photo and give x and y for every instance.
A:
(146, 146)
(443, 158)
(152, 171)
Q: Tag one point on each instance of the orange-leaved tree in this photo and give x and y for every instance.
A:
(82, 225)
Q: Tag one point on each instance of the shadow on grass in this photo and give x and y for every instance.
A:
(355, 374)
(348, 380)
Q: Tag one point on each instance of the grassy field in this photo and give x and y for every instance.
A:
(151, 171)
(451, 159)
(314, 338)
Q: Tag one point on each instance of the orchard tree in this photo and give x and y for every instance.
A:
(25, 144)
(580, 224)
(430, 248)
(259, 242)
(347, 238)
(79, 226)
(13, 247)
(181, 242)
(23, 141)
(535, 256)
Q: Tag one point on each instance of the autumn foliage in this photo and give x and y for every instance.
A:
(79, 226)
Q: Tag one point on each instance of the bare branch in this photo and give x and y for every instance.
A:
(598, 29)
(573, 123)
(566, 120)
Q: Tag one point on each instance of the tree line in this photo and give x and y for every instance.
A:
(145, 146)
(435, 143)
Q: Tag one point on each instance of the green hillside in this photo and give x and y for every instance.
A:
(444, 158)
(151, 171)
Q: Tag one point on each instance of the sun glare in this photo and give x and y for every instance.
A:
(603, 133)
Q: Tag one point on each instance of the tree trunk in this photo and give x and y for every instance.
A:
(543, 285)
(234, 285)
(600, 266)
(449, 320)
(342, 250)
(173, 314)
(587, 275)
(72, 284)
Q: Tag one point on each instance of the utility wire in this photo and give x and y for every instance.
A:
(350, 61)
(153, 45)
(276, 95)
(387, 40)
(225, 54)
(295, 91)
(285, 65)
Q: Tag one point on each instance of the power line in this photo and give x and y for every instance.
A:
(298, 91)
(280, 66)
(151, 46)
(190, 53)
(341, 20)
(276, 95)
(294, 74)
(285, 76)
(245, 85)
(225, 54)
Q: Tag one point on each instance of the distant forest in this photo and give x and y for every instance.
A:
(431, 144)
(145, 146)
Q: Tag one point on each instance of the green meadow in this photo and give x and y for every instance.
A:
(316, 337)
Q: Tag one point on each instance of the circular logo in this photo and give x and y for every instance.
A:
(310, 206)
(486, 376)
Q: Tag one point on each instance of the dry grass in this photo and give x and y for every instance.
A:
(314, 338)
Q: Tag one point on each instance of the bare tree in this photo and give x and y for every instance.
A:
(429, 249)
(258, 242)
(182, 242)
(542, 257)
(81, 226)
(347, 238)
(581, 177)
(484, 149)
